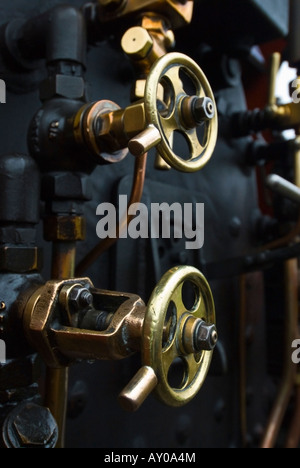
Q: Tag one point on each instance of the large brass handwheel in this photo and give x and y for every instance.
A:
(182, 112)
(170, 334)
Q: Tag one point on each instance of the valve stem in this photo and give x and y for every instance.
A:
(203, 109)
(205, 337)
(195, 111)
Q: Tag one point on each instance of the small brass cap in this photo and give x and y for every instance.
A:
(137, 43)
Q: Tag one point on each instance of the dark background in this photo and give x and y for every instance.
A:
(219, 39)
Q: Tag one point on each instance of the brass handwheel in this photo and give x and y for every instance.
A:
(182, 112)
(171, 332)
(175, 332)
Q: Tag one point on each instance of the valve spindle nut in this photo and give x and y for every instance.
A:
(195, 111)
(205, 337)
(203, 109)
(80, 297)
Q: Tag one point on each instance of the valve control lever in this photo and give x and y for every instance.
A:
(284, 187)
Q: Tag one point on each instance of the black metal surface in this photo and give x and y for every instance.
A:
(294, 35)
(227, 187)
(20, 187)
(234, 24)
(30, 426)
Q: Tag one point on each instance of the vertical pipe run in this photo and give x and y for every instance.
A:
(63, 267)
(275, 67)
(293, 438)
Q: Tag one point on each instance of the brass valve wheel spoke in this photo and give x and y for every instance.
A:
(175, 80)
(178, 111)
(166, 332)
(195, 146)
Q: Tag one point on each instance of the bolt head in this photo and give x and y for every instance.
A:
(203, 109)
(205, 337)
(30, 426)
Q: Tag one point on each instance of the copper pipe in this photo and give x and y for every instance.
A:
(136, 196)
(285, 240)
(288, 380)
(57, 381)
(63, 265)
(293, 438)
(63, 260)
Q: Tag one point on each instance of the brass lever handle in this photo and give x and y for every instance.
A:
(138, 389)
(145, 141)
(284, 187)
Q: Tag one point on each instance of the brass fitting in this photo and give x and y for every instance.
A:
(149, 41)
(137, 43)
(57, 317)
(65, 228)
(107, 129)
(160, 31)
(49, 324)
(91, 127)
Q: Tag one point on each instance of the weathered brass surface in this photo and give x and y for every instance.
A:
(49, 326)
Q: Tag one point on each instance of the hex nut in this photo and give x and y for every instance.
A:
(205, 337)
(66, 186)
(80, 297)
(69, 87)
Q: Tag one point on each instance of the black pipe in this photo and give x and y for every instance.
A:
(294, 35)
(19, 190)
(57, 35)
